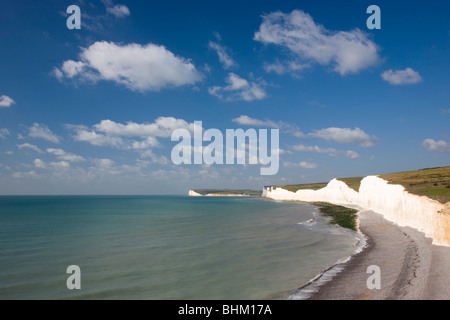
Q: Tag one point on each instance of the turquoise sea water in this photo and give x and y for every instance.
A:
(157, 247)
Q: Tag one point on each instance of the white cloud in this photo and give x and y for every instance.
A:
(84, 134)
(445, 111)
(60, 165)
(148, 143)
(30, 146)
(38, 163)
(6, 101)
(303, 148)
(3, 133)
(346, 136)
(303, 164)
(347, 51)
(224, 57)
(283, 151)
(104, 163)
(162, 127)
(437, 146)
(141, 68)
(352, 154)
(398, 77)
(245, 120)
(238, 89)
(131, 135)
(332, 152)
(57, 74)
(23, 175)
(62, 155)
(42, 131)
(155, 158)
(119, 11)
(285, 67)
(70, 69)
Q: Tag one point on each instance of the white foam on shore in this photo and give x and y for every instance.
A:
(313, 285)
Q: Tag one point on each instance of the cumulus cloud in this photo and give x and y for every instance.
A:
(399, 77)
(83, 133)
(130, 135)
(346, 51)
(43, 132)
(238, 89)
(60, 165)
(436, 146)
(161, 127)
(38, 163)
(148, 154)
(6, 102)
(138, 67)
(352, 154)
(346, 136)
(62, 155)
(24, 175)
(222, 52)
(303, 164)
(30, 146)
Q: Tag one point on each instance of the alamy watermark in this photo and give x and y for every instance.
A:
(374, 280)
(74, 20)
(74, 280)
(236, 146)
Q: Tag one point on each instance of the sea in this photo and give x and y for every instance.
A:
(166, 247)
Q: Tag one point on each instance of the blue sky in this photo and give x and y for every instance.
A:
(90, 111)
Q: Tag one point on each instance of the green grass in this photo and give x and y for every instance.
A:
(433, 183)
(345, 217)
(296, 187)
(353, 183)
(253, 193)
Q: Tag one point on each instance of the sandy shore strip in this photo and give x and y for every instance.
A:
(411, 267)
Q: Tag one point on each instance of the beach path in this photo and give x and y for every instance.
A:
(410, 266)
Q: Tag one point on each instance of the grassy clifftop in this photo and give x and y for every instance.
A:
(432, 182)
(351, 182)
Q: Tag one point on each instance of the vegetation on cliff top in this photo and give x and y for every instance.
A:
(433, 183)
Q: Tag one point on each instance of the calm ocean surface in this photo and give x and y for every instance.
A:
(163, 247)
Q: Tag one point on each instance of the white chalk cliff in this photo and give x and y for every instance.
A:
(192, 193)
(391, 201)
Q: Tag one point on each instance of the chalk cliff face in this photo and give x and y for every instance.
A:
(391, 201)
(192, 193)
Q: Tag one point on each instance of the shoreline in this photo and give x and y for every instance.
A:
(313, 286)
(411, 267)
